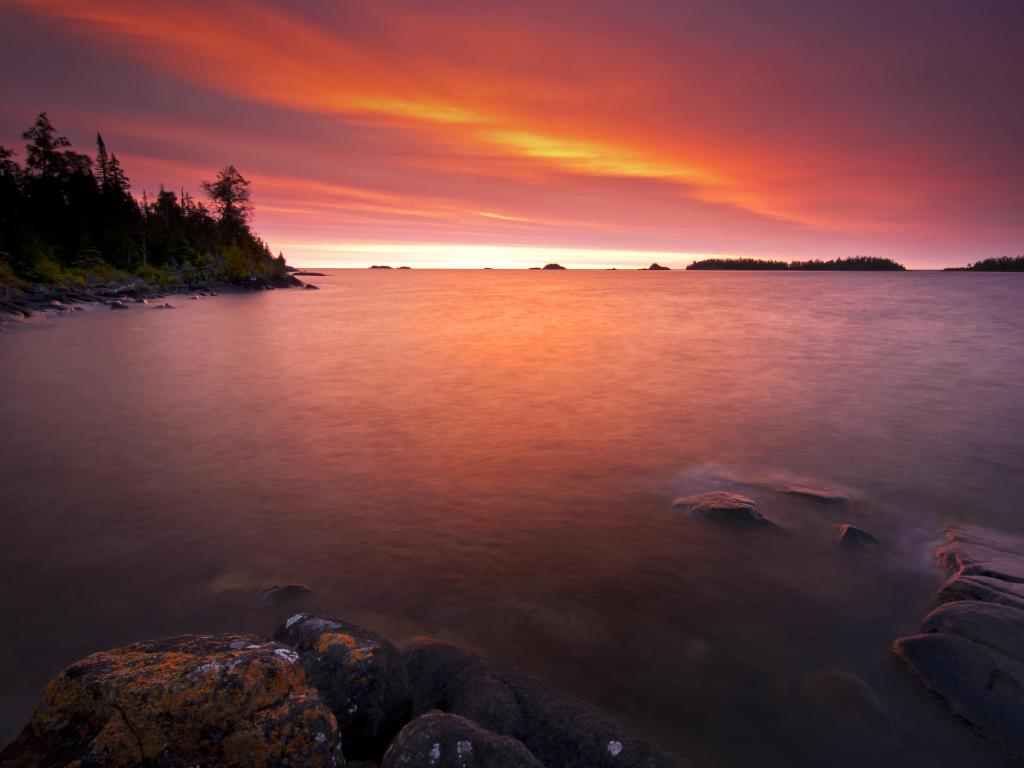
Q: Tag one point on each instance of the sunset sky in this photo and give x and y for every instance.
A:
(594, 133)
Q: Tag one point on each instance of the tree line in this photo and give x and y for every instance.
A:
(69, 217)
(855, 263)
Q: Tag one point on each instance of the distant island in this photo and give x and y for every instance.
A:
(655, 267)
(70, 230)
(854, 264)
(1001, 264)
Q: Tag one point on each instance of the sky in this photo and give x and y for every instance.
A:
(594, 133)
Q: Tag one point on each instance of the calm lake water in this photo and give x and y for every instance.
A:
(489, 457)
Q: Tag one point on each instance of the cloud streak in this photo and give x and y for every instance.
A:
(704, 128)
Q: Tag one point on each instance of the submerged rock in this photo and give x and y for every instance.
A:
(118, 305)
(824, 495)
(439, 740)
(723, 506)
(360, 676)
(846, 702)
(559, 729)
(970, 650)
(282, 593)
(851, 536)
(310, 287)
(225, 700)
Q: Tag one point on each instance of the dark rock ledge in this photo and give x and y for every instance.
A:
(322, 693)
(970, 650)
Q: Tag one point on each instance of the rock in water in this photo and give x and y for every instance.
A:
(283, 593)
(439, 740)
(225, 700)
(118, 305)
(360, 676)
(824, 495)
(853, 537)
(560, 730)
(970, 650)
(723, 506)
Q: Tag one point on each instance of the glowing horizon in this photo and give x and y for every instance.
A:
(670, 129)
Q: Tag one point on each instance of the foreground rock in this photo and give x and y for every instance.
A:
(560, 730)
(225, 700)
(970, 650)
(439, 740)
(723, 506)
(360, 676)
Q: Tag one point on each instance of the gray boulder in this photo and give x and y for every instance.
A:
(723, 506)
(360, 676)
(559, 729)
(439, 740)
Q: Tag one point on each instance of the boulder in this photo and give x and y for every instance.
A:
(118, 305)
(560, 730)
(970, 650)
(995, 626)
(969, 551)
(360, 676)
(723, 506)
(853, 537)
(225, 700)
(980, 684)
(439, 740)
(983, 588)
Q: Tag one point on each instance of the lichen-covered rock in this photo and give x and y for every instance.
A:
(225, 700)
(360, 676)
(559, 729)
(439, 740)
(853, 537)
(723, 506)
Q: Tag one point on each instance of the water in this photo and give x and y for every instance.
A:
(489, 457)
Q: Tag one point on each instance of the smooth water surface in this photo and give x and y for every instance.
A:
(490, 457)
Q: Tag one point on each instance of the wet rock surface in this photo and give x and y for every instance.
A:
(970, 650)
(239, 700)
(226, 700)
(439, 740)
(852, 537)
(723, 506)
(360, 676)
(560, 730)
(815, 493)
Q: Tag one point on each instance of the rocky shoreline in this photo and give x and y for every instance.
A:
(22, 303)
(323, 692)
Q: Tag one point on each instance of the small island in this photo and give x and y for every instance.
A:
(655, 267)
(553, 266)
(854, 264)
(1001, 264)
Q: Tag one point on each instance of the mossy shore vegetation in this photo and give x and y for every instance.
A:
(71, 227)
